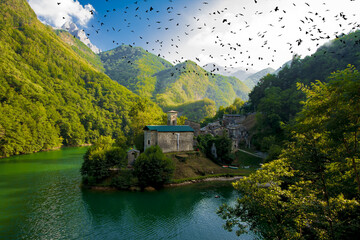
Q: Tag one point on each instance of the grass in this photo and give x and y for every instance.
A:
(190, 166)
(196, 167)
(243, 159)
(207, 176)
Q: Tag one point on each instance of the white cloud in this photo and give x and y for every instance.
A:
(54, 14)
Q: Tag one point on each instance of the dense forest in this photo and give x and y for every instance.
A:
(312, 190)
(51, 96)
(81, 49)
(308, 119)
(277, 99)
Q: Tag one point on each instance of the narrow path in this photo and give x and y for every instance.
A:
(255, 155)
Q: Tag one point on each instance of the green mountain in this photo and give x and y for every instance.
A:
(187, 81)
(133, 68)
(81, 49)
(196, 110)
(253, 79)
(170, 86)
(51, 96)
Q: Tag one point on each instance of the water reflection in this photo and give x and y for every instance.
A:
(40, 198)
(181, 213)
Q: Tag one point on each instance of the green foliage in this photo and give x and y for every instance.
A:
(144, 112)
(235, 108)
(179, 86)
(196, 110)
(50, 96)
(99, 158)
(188, 82)
(312, 191)
(222, 144)
(133, 68)
(139, 142)
(81, 49)
(202, 142)
(153, 168)
(124, 180)
(277, 98)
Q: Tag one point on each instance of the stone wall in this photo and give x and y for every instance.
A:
(150, 138)
(169, 143)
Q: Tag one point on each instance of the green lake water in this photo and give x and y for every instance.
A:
(41, 198)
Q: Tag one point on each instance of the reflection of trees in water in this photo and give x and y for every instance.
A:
(152, 211)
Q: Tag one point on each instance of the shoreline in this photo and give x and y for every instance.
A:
(169, 185)
(210, 179)
(49, 149)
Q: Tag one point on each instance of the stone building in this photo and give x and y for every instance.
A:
(235, 126)
(232, 119)
(170, 138)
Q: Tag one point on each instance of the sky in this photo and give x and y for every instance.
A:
(247, 34)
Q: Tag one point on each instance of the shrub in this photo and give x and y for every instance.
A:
(99, 158)
(153, 168)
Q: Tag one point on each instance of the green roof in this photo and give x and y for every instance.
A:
(169, 128)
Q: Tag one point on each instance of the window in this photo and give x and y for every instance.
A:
(148, 142)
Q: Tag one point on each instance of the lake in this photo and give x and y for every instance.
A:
(41, 198)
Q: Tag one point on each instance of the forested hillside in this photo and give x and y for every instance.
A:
(133, 68)
(153, 77)
(188, 82)
(50, 96)
(81, 49)
(277, 98)
(196, 110)
(312, 190)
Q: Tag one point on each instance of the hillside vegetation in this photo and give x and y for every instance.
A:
(277, 97)
(133, 68)
(188, 82)
(196, 110)
(81, 49)
(170, 86)
(50, 96)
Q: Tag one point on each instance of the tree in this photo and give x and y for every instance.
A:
(99, 158)
(153, 168)
(312, 190)
(222, 144)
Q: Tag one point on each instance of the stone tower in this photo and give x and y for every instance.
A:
(172, 118)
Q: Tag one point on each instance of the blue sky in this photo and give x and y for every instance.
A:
(234, 33)
(134, 23)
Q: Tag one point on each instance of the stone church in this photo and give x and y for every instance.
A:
(170, 137)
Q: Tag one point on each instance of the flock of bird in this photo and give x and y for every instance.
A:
(145, 14)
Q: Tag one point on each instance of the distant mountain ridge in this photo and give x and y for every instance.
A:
(133, 68)
(238, 72)
(253, 79)
(151, 76)
(247, 75)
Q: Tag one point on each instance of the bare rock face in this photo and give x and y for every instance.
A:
(80, 34)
